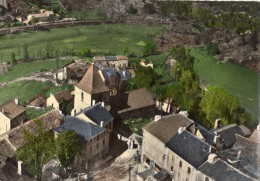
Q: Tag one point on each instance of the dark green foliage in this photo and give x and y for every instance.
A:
(25, 52)
(13, 60)
(85, 52)
(149, 48)
(131, 10)
(66, 107)
(68, 146)
(137, 124)
(145, 77)
(179, 8)
(37, 150)
(212, 48)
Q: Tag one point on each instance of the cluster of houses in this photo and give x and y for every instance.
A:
(173, 147)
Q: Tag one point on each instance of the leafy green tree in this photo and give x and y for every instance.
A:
(212, 48)
(37, 150)
(149, 48)
(33, 20)
(13, 60)
(68, 146)
(25, 52)
(145, 77)
(217, 103)
(85, 52)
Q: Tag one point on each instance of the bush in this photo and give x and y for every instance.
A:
(131, 10)
(212, 48)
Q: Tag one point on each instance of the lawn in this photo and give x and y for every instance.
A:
(237, 80)
(23, 69)
(99, 38)
(22, 90)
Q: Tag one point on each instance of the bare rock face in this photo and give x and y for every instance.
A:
(118, 8)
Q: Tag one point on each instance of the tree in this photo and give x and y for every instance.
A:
(217, 103)
(25, 52)
(136, 124)
(85, 52)
(68, 146)
(149, 48)
(13, 60)
(212, 48)
(131, 10)
(37, 150)
(33, 20)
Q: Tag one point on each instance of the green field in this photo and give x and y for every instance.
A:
(23, 69)
(22, 90)
(100, 39)
(237, 80)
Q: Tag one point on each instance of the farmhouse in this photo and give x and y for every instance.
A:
(60, 99)
(111, 61)
(96, 138)
(43, 16)
(11, 115)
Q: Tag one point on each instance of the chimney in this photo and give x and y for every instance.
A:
(3, 110)
(258, 127)
(157, 117)
(16, 101)
(102, 104)
(196, 130)
(93, 102)
(20, 165)
(102, 124)
(212, 157)
(181, 129)
(217, 123)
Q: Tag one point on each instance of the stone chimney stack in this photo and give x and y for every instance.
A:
(212, 157)
(217, 123)
(16, 101)
(102, 104)
(20, 165)
(102, 124)
(157, 117)
(93, 102)
(3, 110)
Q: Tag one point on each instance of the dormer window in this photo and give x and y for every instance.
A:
(180, 164)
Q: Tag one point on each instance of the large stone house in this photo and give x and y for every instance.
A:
(97, 115)
(95, 137)
(11, 115)
(90, 90)
(60, 99)
(43, 16)
(111, 61)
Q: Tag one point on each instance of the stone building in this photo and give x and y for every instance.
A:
(97, 115)
(90, 90)
(134, 104)
(111, 61)
(43, 16)
(11, 115)
(95, 137)
(57, 100)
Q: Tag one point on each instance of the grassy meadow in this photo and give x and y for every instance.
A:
(100, 39)
(237, 80)
(25, 68)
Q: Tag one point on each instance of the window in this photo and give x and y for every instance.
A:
(97, 137)
(97, 145)
(180, 164)
(172, 168)
(103, 141)
(90, 140)
(90, 150)
(206, 179)
(187, 179)
(82, 96)
(189, 170)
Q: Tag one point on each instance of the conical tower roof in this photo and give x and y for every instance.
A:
(92, 82)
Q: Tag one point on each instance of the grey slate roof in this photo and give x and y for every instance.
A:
(221, 171)
(228, 133)
(97, 113)
(190, 148)
(109, 72)
(82, 128)
(161, 175)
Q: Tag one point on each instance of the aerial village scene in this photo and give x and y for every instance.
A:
(129, 90)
